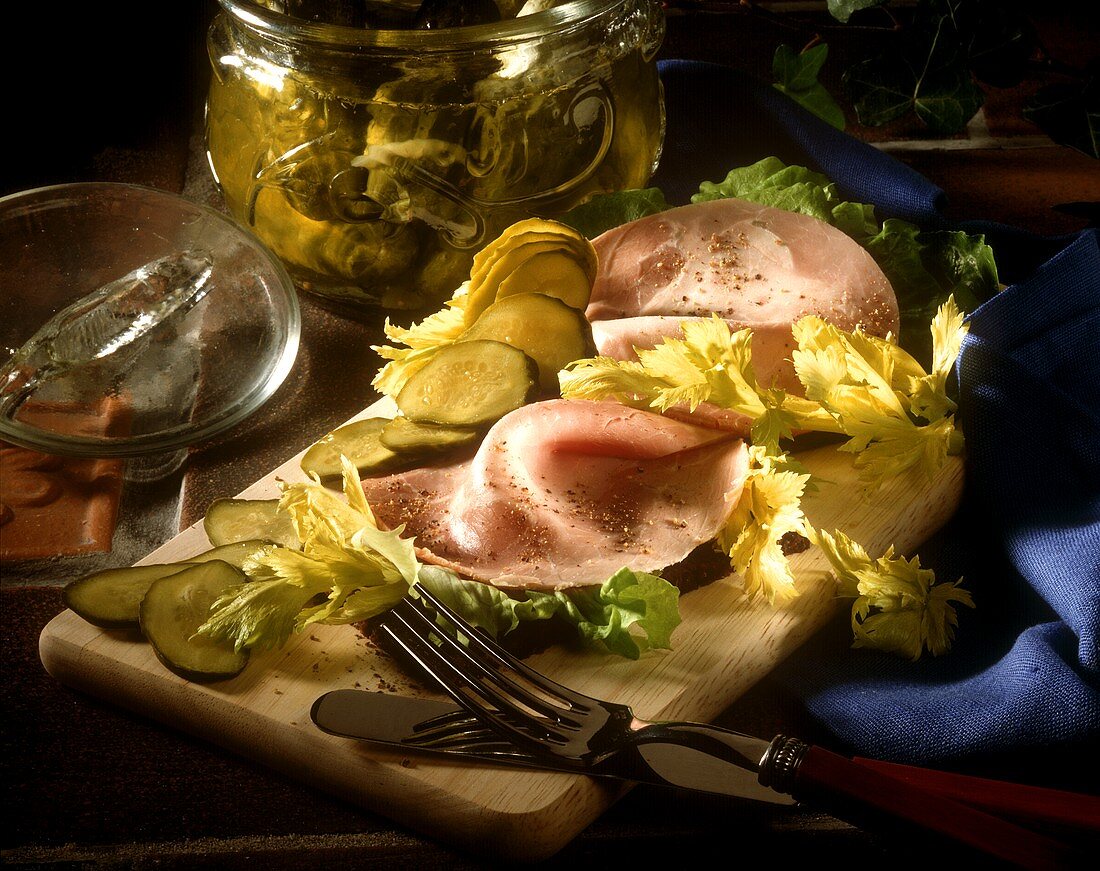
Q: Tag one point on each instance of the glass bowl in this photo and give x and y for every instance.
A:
(173, 374)
(377, 162)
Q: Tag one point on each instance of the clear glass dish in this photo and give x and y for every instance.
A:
(178, 377)
(376, 163)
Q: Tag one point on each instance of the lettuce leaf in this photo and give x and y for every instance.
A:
(605, 211)
(924, 267)
(484, 606)
(606, 614)
(602, 615)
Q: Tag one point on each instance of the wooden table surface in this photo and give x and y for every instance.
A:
(88, 786)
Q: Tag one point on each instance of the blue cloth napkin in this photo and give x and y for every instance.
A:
(1025, 668)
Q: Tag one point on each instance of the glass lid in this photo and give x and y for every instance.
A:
(133, 321)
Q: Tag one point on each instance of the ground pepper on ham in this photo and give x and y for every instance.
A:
(564, 493)
(753, 265)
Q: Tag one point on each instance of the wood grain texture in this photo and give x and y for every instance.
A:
(724, 645)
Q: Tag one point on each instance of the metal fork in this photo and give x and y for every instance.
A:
(525, 715)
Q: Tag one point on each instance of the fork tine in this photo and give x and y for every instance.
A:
(454, 728)
(479, 642)
(503, 687)
(463, 732)
(521, 727)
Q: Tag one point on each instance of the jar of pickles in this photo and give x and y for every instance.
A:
(376, 147)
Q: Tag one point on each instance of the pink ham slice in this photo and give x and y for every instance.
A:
(753, 265)
(565, 493)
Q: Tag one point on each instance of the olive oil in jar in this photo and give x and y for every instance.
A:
(375, 163)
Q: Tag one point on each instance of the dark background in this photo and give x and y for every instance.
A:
(114, 92)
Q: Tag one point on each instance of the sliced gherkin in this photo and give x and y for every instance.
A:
(360, 442)
(232, 520)
(548, 330)
(532, 256)
(175, 607)
(111, 598)
(408, 436)
(470, 384)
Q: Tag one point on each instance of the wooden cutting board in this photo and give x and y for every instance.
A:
(724, 645)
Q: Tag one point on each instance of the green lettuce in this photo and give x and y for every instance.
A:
(606, 211)
(923, 267)
(627, 614)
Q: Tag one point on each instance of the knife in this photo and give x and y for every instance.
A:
(403, 722)
(407, 724)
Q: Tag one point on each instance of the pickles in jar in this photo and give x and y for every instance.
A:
(376, 163)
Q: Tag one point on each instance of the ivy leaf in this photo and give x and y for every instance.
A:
(884, 88)
(798, 70)
(926, 69)
(1000, 40)
(842, 10)
(946, 101)
(880, 90)
(1069, 114)
(796, 76)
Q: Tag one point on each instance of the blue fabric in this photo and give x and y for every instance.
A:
(1025, 668)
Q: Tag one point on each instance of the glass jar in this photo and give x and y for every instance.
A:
(376, 163)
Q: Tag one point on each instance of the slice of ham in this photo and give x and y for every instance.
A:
(753, 265)
(565, 493)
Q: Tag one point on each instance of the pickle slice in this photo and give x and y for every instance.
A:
(546, 329)
(234, 553)
(175, 607)
(409, 436)
(359, 442)
(532, 256)
(470, 384)
(110, 599)
(553, 273)
(229, 521)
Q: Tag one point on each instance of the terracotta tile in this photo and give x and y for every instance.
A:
(60, 506)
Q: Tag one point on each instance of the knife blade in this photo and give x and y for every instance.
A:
(696, 759)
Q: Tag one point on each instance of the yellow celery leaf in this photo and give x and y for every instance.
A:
(820, 369)
(314, 508)
(423, 340)
(679, 375)
(258, 615)
(863, 382)
(929, 392)
(845, 556)
(345, 558)
(360, 604)
(595, 378)
(769, 507)
(774, 423)
(404, 363)
(869, 366)
(828, 358)
(948, 331)
(887, 448)
(899, 606)
(353, 492)
(709, 364)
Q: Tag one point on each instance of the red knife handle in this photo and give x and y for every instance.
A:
(870, 798)
(1021, 802)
